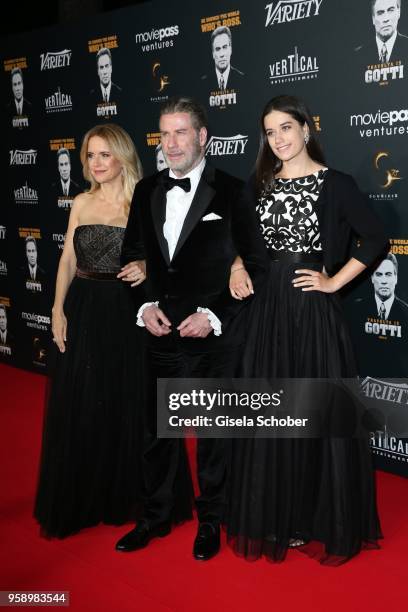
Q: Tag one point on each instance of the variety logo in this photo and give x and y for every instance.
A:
(226, 145)
(2, 232)
(25, 195)
(3, 268)
(294, 67)
(58, 102)
(285, 11)
(381, 123)
(20, 157)
(157, 38)
(55, 59)
(385, 390)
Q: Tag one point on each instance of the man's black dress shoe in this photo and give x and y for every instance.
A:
(141, 535)
(207, 542)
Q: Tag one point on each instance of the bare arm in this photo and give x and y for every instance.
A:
(65, 274)
(311, 280)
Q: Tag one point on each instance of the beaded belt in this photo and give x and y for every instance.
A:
(97, 275)
(314, 257)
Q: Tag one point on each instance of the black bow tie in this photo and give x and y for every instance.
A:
(169, 183)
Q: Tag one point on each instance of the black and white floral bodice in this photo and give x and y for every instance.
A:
(287, 213)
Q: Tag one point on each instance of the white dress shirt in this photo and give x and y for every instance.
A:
(106, 92)
(33, 271)
(178, 204)
(388, 43)
(388, 304)
(65, 186)
(19, 106)
(224, 75)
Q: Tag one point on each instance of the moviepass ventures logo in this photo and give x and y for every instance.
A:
(158, 38)
(381, 123)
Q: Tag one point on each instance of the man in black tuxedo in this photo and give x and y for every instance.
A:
(389, 44)
(387, 305)
(380, 324)
(19, 106)
(65, 187)
(4, 334)
(188, 222)
(107, 91)
(226, 76)
(33, 270)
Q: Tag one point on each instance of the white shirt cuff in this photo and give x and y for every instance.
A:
(214, 321)
(141, 310)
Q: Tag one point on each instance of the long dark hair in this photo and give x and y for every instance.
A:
(267, 164)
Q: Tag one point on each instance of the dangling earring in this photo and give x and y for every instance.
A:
(307, 138)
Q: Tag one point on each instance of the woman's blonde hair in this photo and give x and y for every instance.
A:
(122, 149)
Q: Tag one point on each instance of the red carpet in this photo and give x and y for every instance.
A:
(164, 577)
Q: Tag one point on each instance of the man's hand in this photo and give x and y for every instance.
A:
(196, 325)
(156, 321)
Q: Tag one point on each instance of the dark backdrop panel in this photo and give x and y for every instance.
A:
(321, 50)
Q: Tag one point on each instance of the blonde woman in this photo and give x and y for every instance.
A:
(90, 455)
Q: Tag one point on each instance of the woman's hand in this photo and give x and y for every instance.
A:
(240, 283)
(134, 272)
(59, 329)
(311, 280)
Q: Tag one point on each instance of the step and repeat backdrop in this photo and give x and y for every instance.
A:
(350, 64)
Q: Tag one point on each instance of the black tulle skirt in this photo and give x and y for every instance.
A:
(91, 451)
(320, 490)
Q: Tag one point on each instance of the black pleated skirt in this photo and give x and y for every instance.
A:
(319, 490)
(90, 468)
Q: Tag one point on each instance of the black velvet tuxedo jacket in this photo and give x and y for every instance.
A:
(198, 274)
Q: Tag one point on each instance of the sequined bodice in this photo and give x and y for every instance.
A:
(98, 247)
(288, 216)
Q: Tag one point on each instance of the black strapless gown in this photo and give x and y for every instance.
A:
(320, 490)
(90, 462)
